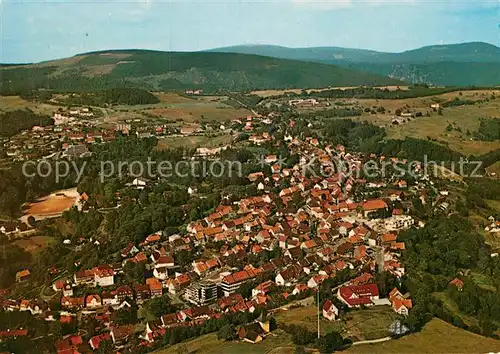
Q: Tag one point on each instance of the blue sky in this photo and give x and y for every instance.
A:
(37, 30)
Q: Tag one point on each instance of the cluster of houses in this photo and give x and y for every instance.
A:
(67, 140)
(315, 226)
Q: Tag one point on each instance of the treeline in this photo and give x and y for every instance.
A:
(11, 262)
(354, 135)
(13, 122)
(489, 130)
(36, 95)
(115, 96)
(416, 149)
(484, 187)
(376, 93)
(457, 102)
(302, 336)
(489, 158)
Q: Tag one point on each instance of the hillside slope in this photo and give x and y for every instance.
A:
(462, 64)
(436, 337)
(155, 70)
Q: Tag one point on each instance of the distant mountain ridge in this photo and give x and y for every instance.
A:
(156, 70)
(436, 64)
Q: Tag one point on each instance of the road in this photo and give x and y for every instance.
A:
(380, 340)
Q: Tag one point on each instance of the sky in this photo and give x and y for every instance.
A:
(38, 30)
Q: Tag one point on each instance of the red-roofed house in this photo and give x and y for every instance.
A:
(358, 295)
(373, 205)
(458, 283)
(104, 275)
(95, 341)
(401, 306)
(364, 278)
(330, 311)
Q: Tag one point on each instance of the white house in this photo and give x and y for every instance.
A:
(104, 276)
(93, 301)
(140, 183)
(330, 311)
(160, 273)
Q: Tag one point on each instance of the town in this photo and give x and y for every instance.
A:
(258, 255)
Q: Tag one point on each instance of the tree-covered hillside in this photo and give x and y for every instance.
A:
(462, 64)
(175, 70)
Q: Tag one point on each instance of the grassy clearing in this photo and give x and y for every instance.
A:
(34, 244)
(436, 337)
(277, 342)
(372, 323)
(462, 118)
(307, 317)
(483, 281)
(11, 103)
(495, 204)
(453, 307)
(176, 107)
(369, 323)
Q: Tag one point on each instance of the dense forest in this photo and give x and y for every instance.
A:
(115, 96)
(445, 248)
(489, 130)
(153, 70)
(376, 93)
(13, 122)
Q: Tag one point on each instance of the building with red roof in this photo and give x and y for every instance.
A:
(95, 341)
(458, 283)
(373, 205)
(358, 295)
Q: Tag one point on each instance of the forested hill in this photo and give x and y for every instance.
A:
(462, 64)
(154, 70)
(475, 52)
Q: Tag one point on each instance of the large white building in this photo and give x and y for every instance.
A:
(202, 293)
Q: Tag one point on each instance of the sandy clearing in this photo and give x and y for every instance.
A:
(52, 205)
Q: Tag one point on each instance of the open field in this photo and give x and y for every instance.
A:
(172, 142)
(277, 342)
(173, 107)
(462, 118)
(176, 107)
(34, 244)
(371, 323)
(436, 337)
(53, 204)
(307, 317)
(495, 204)
(11, 103)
